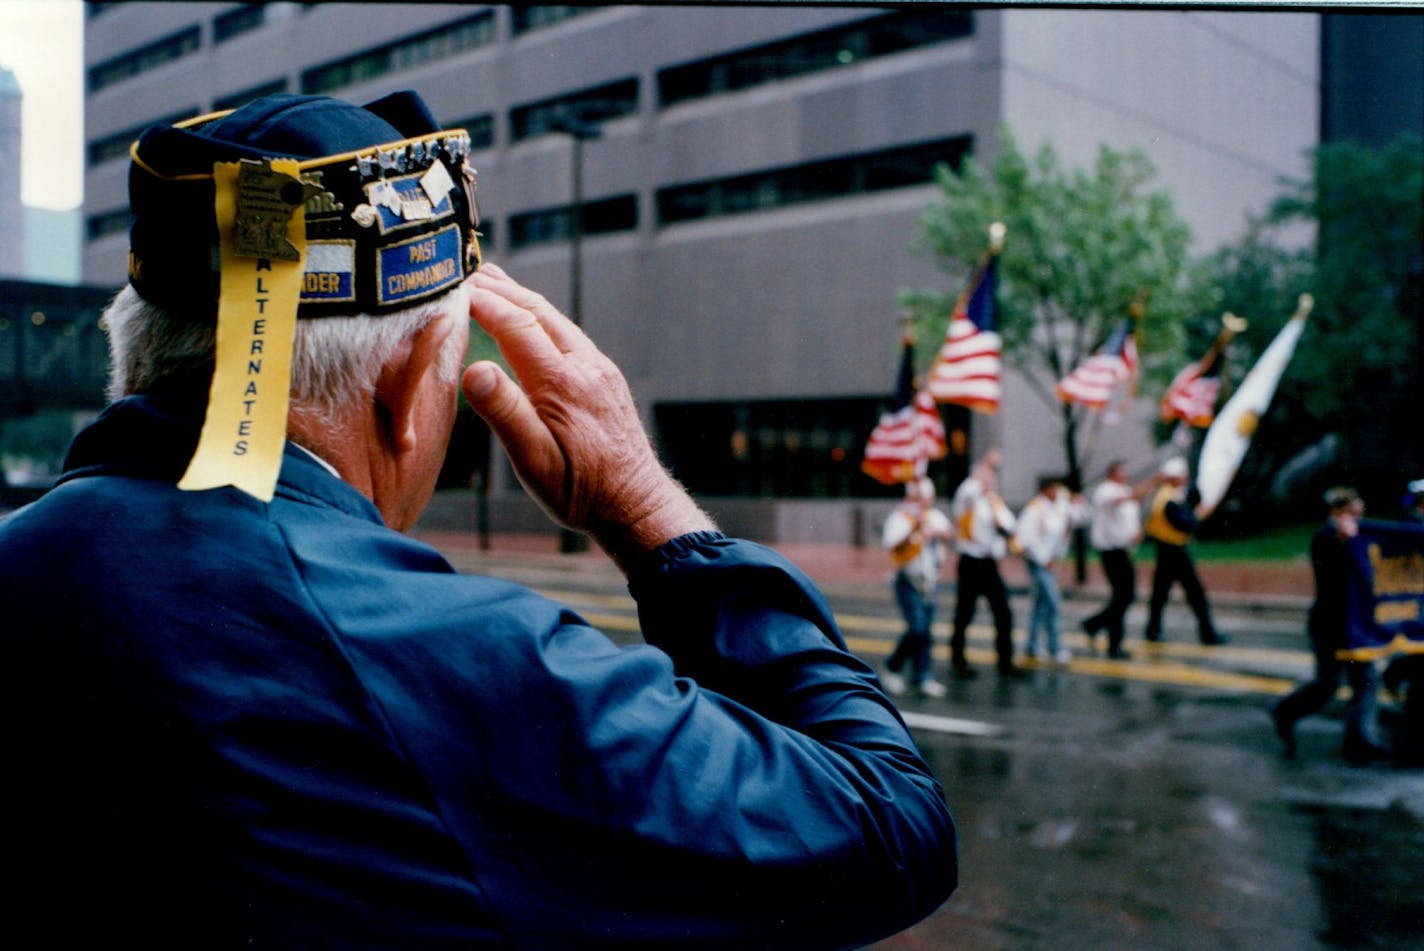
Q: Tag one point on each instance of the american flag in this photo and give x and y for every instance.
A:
(967, 368)
(1192, 396)
(1093, 382)
(909, 435)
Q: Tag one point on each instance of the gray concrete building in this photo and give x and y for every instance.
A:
(12, 252)
(751, 197)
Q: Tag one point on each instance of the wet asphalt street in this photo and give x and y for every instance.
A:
(1136, 805)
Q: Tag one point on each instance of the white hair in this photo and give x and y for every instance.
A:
(335, 360)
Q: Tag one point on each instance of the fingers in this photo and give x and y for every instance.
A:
(521, 338)
(563, 332)
(500, 402)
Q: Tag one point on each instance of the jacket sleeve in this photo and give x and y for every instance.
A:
(741, 783)
(1181, 517)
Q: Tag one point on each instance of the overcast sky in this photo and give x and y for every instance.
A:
(42, 44)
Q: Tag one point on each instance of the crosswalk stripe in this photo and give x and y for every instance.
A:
(1159, 663)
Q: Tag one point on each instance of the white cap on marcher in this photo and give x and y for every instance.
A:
(1175, 468)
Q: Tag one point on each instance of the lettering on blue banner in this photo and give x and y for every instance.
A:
(1386, 594)
(419, 267)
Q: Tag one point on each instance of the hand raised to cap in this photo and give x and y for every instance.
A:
(570, 426)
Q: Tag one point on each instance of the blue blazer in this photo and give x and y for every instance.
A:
(285, 725)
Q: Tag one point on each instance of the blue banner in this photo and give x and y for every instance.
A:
(1386, 597)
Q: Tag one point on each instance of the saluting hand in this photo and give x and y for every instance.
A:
(570, 426)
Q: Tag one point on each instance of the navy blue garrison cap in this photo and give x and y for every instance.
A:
(388, 199)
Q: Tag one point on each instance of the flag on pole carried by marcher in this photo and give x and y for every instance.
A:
(967, 368)
(1230, 434)
(1093, 381)
(909, 435)
(1192, 396)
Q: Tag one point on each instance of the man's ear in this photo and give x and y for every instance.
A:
(399, 385)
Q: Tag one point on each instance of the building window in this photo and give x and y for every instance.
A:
(547, 225)
(809, 448)
(480, 127)
(106, 223)
(524, 19)
(812, 52)
(155, 54)
(598, 104)
(239, 21)
(116, 144)
(234, 100)
(814, 181)
(438, 43)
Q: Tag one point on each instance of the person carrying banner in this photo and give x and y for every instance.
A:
(1326, 623)
(1041, 537)
(1404, 675)
(1171, 520)
(261, 715)
(983, 525)
(1116, 529)
(916, 534)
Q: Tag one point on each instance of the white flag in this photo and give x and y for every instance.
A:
(1230, 433)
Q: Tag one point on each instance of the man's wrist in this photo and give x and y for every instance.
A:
(674, 515)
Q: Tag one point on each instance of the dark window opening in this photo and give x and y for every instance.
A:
(547, 225)
(813, 181)
(155, 54)
(807, 448)
(812, 52)
(598, 104)
(434, 44)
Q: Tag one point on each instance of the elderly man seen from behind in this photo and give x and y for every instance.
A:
(243, 709)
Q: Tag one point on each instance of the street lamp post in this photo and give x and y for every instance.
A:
(579, 132)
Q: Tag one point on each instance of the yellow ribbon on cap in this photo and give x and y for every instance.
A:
(246, 426)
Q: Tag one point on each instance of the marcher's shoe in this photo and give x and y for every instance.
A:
(1358, 751)
(1117, 653)
(1152, 636)
(932, 689)
(1285, 729)
(894, 683)
(1063, 656)
(1215, 640)
(962, 670)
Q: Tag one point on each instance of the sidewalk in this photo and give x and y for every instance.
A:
(1255, 586)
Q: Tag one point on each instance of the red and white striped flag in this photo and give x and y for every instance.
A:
(968, 367)
(1193, 394)
(1093, 382)
(909, 435)
(1191, 399)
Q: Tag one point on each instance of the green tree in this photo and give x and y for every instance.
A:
(1082, 246)
(1358, 373)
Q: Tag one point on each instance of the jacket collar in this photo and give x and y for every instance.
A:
(152, 436)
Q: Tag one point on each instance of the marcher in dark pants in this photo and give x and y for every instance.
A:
(1122, 588)
(1170, 524)
(979, 577)
(1116, 528)
(983, 525)
(1329, 561)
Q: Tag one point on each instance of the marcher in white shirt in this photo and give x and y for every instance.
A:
(1115, 530)
(983, 525)
(1042, 538)
(916, 535)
